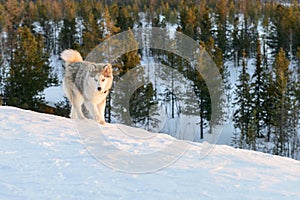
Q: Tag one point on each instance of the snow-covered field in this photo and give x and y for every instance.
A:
(43, 157)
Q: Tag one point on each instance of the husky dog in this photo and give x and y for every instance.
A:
(86, 84)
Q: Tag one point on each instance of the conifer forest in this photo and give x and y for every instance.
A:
(256, 43)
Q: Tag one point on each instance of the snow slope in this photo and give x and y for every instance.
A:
(43, 157)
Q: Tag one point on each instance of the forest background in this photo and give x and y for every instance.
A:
(258, 38)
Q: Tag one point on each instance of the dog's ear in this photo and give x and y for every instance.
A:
(107, 71)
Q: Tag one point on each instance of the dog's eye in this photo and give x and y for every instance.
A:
(105, 91)
(96, 79)
(103, 80)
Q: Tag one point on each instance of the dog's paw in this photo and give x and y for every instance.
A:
(102, 122)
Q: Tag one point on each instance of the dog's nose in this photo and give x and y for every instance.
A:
(99, 88)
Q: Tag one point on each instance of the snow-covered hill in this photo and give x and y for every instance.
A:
(43, 157)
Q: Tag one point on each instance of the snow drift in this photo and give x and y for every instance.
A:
(43, 157)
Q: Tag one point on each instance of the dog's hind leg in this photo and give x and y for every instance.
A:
(77, 101)
(92, 110)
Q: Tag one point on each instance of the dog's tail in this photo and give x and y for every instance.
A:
(70, 56)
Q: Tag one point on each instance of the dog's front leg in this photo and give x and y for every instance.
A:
(92, 110)
(101, 110)
(73, 113)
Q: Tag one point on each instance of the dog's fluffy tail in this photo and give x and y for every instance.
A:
(70, 56)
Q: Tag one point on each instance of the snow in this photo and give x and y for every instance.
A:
(53, 95)
(47, 157)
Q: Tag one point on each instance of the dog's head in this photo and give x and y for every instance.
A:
(103, 77)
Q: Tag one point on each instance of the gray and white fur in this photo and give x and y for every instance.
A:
(86, 84)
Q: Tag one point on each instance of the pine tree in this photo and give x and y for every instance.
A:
(269, 105)
(31, 13)
(178, 66)
(235, 44)
(284, 20)
(232, 11)
(110, 24)
(140, 107)
(56, 16)
(251, 134)
(202, 92)
(51, 24)
(298, 61)
(189, 22)
(109, 28)
(258, 94)
(124, 64)
(205, 23)
(123, 17)
(242, 114)
(12, 12)
(29, 72)
(221, 23)
(282, 106)
(67, 36)
(2, 75)
(93, 34)
(217, 55)
(293, 121)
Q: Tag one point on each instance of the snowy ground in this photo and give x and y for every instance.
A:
(43, 157)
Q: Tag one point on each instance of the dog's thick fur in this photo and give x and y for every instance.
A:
(86, 84)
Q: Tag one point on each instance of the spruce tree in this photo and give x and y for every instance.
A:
(217, 55)
(282, 106)
(124, 64)
(67, 36)
(221, 23)
(3, 75)
(123, 17)
(258, 94)
(242, 102)
(298, 61)
(11, 13)
(202, 92)
(269, 104)
(93, 33)
(235, 44)
(189, 22)
(110, 24)
(251, 134)
(293, 121)
(29, 72)
(178, 65)
(130, 59)
(140, 107)
(205, 24)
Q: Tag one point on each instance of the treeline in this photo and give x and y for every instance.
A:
(267, 95)
(82, 24)
(266, 117)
